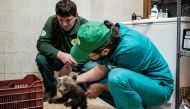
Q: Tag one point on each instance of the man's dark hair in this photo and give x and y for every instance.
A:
(112, 42)
(66, 8)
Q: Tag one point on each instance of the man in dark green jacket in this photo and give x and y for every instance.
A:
(56, 39)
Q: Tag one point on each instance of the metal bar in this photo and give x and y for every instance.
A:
(178, 55)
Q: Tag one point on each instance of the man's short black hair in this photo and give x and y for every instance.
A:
(66, 8)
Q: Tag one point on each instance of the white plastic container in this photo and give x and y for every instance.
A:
(161, 14)
(154, 12)
(166, 13)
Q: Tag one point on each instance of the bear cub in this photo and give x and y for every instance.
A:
(72, 94)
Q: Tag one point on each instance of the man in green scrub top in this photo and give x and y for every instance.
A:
(56, 39)
(131, 68)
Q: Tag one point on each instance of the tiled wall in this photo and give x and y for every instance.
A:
(21, 22)
(115, 10)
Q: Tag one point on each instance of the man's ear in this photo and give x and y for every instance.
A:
(74, 77)
(105, 52)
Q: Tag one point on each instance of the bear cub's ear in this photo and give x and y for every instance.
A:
(74, 77)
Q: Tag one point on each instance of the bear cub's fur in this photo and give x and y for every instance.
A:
(70, 90)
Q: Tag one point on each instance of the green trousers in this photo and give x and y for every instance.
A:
(131, 90)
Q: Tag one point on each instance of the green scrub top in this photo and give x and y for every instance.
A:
(137, 53)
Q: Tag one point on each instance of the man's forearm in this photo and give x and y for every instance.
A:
(94, 74)
(104, 87)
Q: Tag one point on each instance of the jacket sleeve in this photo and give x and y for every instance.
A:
(44, 43)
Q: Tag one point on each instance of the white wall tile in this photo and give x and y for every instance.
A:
(6, 20)
(2, 76)
(13, 76)
(115, 10)
(35, 5)
(29, 43)
(84, 8)
(20, 42)
(1, 42)
(13, 42)
(28, 63)
(8, 5)
(24, 22)
(13, 63)
(2, 70)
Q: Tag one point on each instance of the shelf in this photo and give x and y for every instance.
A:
(185, 53)
(181, 52)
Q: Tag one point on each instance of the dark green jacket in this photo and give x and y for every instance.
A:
(53, 38)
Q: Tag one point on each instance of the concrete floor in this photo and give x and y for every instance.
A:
(92, 104)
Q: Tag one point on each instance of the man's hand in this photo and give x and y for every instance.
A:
(95, 90)
(65, 57)
(65, 70)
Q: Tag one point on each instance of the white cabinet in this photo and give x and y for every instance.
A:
(163, 33)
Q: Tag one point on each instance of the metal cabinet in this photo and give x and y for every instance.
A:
(181, 6)
(171, 5)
